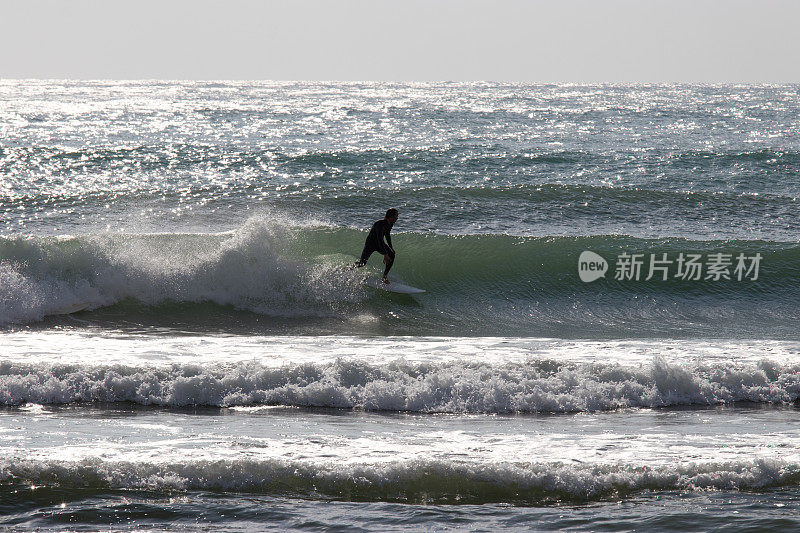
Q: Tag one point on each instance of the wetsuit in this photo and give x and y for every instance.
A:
(374, 243)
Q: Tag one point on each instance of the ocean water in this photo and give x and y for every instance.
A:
(230, 375)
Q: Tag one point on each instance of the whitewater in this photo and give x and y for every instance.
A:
(230, 373)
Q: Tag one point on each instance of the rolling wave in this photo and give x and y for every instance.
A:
(427, 481)
(477, 284)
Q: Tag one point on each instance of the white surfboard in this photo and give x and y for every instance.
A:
(71, 309)
(392, 286)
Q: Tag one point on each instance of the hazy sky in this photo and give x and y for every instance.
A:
(503, 40)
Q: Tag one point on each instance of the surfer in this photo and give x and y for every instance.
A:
(374, 243)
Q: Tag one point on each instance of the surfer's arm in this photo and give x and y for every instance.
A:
(386, 250)
(381, 246)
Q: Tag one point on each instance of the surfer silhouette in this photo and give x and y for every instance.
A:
(374, 242)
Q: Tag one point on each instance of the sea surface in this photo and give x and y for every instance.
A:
(231, 374)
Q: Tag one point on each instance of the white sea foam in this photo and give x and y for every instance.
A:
(534, 385)
(247, 269)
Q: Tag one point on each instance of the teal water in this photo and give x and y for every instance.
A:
(229, 374)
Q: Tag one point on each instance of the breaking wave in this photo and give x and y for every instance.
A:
(247, 269)
(451, 387)
(413, 481)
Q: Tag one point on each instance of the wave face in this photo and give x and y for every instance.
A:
(271, 273)
(454, 387)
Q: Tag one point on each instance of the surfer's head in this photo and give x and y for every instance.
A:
(391, 215)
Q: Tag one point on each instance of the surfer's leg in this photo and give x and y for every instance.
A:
(364, 257)
(388, 265)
